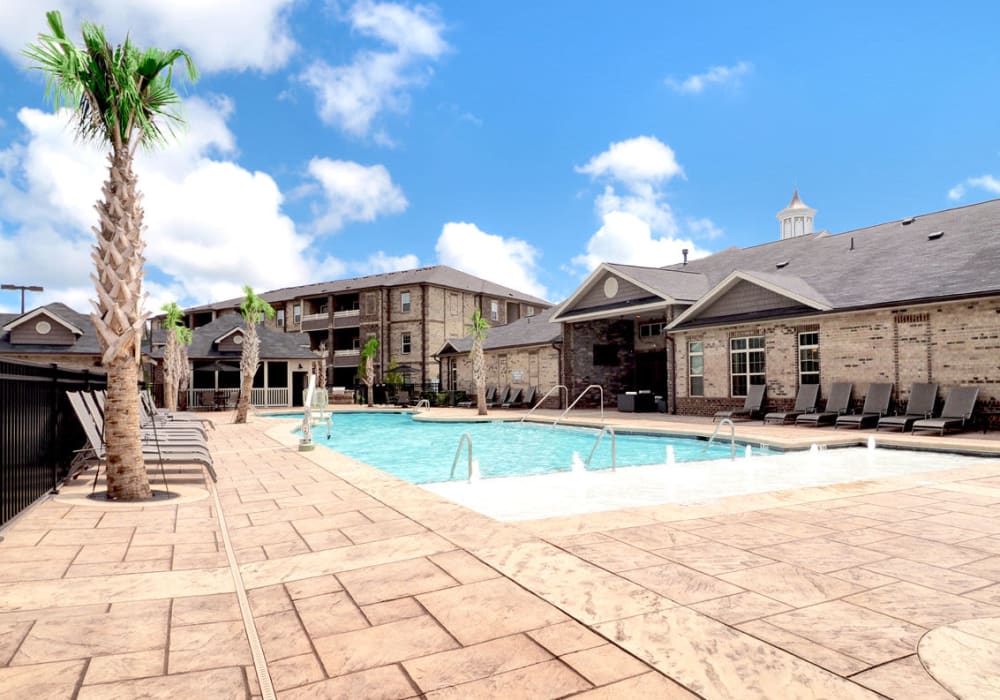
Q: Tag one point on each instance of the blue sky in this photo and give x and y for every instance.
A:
(523, 142)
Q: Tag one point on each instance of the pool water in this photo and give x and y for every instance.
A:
(422, 452)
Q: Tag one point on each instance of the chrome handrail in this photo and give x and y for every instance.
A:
(577, 400)
(421, 404)
(548, 393)
(732, 437)
(465, 438)
(600, 436)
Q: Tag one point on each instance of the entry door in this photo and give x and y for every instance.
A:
(651, 372)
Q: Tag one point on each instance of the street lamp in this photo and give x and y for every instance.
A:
(23, 289)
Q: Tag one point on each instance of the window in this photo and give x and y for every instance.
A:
(651, 330)
(405, 344)
(529, 310)
(746, 356)
(323, 308)
(494, 311)
(404, 302)
(696, 368)
(355, 343)
(809, 358)
(297, 314)
(280, 318)
(606, 355)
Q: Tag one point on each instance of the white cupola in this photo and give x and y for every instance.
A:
(796, 219)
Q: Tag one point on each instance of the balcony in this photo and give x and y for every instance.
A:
(349, 318)
(346, 358)
(315, 322)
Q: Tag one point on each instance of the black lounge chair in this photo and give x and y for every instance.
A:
(805, 402)
(753, 404)
(491, 390)
(528, 399)
(957, 411)
(513, 400)
(876, 405)
(836, 405)
(920, 405)
(500, 399)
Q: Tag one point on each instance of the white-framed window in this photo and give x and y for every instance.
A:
(279, 318)
(355, 343)
(405, 343)
(297, 314)
(651, 330)
(529, 310)
(404, 302)
(746, 358)
(809, 357)
(696, 368)
(494, 310)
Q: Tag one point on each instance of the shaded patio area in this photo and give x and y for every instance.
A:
(305, 575)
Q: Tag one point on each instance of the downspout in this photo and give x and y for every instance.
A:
(672, 389)
(423, 336)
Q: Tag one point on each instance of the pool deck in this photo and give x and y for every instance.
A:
(311, 575)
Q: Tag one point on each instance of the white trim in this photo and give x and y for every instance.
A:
(592, 280)
(37, 312)
(731, 280)
(237, 329)
(624, 310)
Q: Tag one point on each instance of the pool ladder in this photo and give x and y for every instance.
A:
(732, 437)
(466, 438)
(422, 403)
(548, 393)
(577, 400)
(606, 430)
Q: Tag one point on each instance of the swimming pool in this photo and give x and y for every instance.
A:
(422, 452)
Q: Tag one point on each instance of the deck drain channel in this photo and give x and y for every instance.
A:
(256, 650)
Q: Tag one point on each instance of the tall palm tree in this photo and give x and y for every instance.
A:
(122, 97)
(478, 332)
(254, 310)
(174, 354)
(368, 354)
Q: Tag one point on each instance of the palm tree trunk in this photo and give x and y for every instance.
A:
(249, 359)
(126, 469)
(479, 375)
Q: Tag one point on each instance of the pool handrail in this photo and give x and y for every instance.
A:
(548, 393)
(465, 438)
(577, 400)
(732, 437)
(421, 404)
(600, 436)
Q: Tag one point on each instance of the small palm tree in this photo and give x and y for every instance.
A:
(254, 310)
(175, 363)
(122, 97)
(478, 333)
(368, 354)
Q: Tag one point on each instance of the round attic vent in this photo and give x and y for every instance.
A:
(43, 327)
(237, 340)
(610, 287)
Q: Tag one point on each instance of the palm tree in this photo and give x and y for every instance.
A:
(368, 354)
(122, 97)
(478, 333)
(174, 354)
(254, 310)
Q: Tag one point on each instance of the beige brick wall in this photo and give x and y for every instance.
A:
(948, 343)
(538, 365)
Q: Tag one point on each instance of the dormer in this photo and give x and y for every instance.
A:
(230, 341)
(42, 327)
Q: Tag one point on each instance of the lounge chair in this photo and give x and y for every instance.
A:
(95, 452)
(403, 398)
(836, 405)
(805, 402)
(501, 398)
(957, 411)
(920, 405)
(753, 404)
(184, 431)
(153, 413)
(876, 405)
(513, 400)
(491, 391)
(528, 398)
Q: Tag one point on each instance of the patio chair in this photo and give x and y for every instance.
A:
(491, 390)
(95, 404)
(94, 451)
(836, 405)
(876, 405)
(403, 398)
(501, 398)
(805, 402)
(920, 405)
(528, 399)
(957, 411)
(753, 404)
(513, 400)
(153, 413)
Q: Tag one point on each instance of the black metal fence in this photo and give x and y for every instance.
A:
(38, 430)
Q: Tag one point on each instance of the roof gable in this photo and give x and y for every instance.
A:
(48, 315)
(606, 292)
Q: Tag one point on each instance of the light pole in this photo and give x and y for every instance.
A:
(23, 289)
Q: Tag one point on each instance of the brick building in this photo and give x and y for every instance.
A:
(912, 300)
(411, 312)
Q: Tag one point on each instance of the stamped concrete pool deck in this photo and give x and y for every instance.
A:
(312, 575)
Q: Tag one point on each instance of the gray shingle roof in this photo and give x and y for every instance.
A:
(86, 344)
(883, 264)
(441, 275)
(530, 330)
(274, 345)
(683, 285)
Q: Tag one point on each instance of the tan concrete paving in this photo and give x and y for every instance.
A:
(360, 585)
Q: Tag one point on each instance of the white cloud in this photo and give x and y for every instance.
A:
(507, 261)
(723, 76)
(638, 225)
(983, 182)
(351, 96)
(642, 160)
(219, 35)
(381, 262)
(212, 225)
(353, 192)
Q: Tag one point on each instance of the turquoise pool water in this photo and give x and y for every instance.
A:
(422, 452)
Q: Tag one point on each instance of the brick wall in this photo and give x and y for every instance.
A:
(538, 365)
(580, 371)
